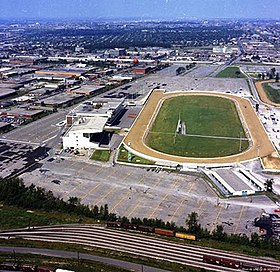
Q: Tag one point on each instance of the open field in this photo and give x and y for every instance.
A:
(231, 72)
(261, 145)
(213, 127)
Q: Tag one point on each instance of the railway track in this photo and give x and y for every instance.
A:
(134, 243)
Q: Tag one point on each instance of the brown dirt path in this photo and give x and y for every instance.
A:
(261, 144)
(262, 94)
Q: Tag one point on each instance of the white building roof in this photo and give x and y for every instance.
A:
(89, 125)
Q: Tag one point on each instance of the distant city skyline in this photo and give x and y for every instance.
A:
(141, 9)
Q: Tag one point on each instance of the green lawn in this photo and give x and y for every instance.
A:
(101, 155)
(124, 157)
(231, 72)
(272, 94)
(203, 115)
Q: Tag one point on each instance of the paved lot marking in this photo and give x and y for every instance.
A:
(239, 219)
(141, 198)
(200, 206)
(103, 197)
(182, 202)
(164, 198)
(216, 220)
(83, 168)
(70, 192)
(121, 200)
(93, 189)
(127, 175)
(98, 171)
(111, 174)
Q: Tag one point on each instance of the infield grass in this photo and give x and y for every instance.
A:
(213, 127)
(272, 94)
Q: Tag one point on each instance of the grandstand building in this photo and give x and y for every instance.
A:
(88, 123)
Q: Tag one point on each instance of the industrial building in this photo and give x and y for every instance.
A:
(89, 122)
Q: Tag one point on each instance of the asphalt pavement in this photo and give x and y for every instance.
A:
(82, 256)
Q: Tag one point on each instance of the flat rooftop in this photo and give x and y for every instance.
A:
(3, 124)
(88, 88)
(20, 112)
(6, 92)
(102, 106)
(233, 180)
(90, 125)
(61, 98)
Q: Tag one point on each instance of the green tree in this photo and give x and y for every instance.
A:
(219, 234)
(268, 185)
(192, 223)
(277, 77)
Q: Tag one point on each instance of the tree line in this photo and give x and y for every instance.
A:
(14, 192)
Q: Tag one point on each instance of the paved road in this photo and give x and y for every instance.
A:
(82, 256)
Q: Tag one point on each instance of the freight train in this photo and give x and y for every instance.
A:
(230, 263)
(30, 268)
(147, 229)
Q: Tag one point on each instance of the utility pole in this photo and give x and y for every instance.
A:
(240, 145)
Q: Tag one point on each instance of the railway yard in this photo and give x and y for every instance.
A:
(146, 246)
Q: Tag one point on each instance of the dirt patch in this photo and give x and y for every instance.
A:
(261, 145)
(262, 94)
(271, 162)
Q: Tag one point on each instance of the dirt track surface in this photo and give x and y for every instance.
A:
(261, 145)
(262, 94)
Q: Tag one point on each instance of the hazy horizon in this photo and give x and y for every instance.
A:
(141, 9)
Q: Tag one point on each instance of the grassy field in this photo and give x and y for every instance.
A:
(204, 116)
(272, 94)
(231, 72)
(101, 155)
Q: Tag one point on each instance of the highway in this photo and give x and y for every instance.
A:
(134, 243)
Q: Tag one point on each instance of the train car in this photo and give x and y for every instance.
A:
(146, 229)
(164, 232)
(28, 267)
(45, 269)
(185, 236)
(250, 267)
(222, 261)
(63, 270)
(8, 266)
(130, 226)
(211, 259)
(231, 263)
(114, 224)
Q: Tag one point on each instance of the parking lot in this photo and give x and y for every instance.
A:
(137, 192)
(15, 157)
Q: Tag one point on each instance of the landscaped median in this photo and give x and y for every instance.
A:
(101, 155)
(128, 157)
